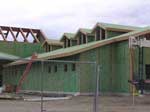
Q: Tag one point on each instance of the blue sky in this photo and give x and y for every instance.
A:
(55, 17)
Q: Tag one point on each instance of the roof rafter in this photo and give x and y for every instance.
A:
(35, 38)
(3, 36)
(22, 33)
(36, 34)
(17, 34)
(13, 35)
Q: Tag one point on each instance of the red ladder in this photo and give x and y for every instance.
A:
(25, 73)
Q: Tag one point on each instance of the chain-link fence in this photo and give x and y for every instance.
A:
(54, 85)
(70, 86)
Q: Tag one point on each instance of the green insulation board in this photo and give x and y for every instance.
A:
(114, 33)
(53, 81)
(20, 49)
(114, 72)
(114, 62)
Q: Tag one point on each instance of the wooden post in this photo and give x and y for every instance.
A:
(100, 34)
(86, 38)
(3, 36)
(131, 62)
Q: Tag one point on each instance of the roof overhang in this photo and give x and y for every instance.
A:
(51, 42)
(111, 28)
(81, 30)
(66, 35)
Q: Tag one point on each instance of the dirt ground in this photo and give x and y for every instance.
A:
(80, 104)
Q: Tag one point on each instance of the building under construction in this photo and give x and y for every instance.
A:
(121, 51)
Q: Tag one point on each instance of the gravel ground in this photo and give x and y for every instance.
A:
(80, 104)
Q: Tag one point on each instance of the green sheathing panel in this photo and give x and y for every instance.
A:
(104, 57)
(113, 33)
(11, 75)
(87, 71)
(91, 38)
(120, 67)
(59, 81)
(20, 48)
(114, 75)
(114, 60)
(74, 42)
(56, 47)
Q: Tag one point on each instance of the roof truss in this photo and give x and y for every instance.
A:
(25, 33)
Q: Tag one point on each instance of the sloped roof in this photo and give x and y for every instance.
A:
(67, 35)
(85, 31)
(64, 52)
(116, 27)
(53, 42)
(5, 56)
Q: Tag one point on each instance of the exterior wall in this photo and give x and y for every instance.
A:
(91, 38)
(114, 60)
(87, 71)
(114, 33)
(66, 42)
(20, 48)
(114, 75)
(55, 47)
(47, 47)
(73, 42)
(59, 81)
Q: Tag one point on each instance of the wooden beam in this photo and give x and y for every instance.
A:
(17, 34)
(7, 34)
(3, 36)
(35, 38)
(86, 38)
(131, 62)
(27, 34)
(21, 31)
(17, 29)
(43, 35)
(13, 35)
(95, 35)
(100, 34)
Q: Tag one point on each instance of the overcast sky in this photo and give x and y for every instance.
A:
(55, 17)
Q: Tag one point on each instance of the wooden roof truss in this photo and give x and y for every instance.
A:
(28, 35)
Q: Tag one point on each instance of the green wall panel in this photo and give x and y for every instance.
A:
(59, 81)
(114, 33)
(56, 47)
(20, 48)
(114, 75)
(91, 38)
(87, 71)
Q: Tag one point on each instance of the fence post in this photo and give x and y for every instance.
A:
(42, 70)
(97, 71)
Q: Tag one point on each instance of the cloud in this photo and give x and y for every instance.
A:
(58, 16)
